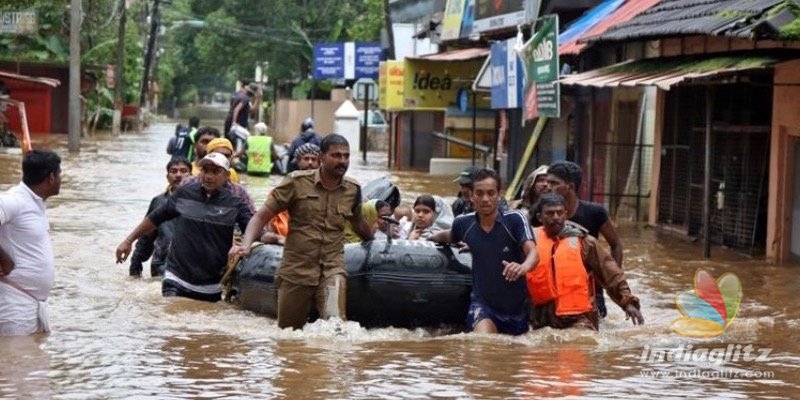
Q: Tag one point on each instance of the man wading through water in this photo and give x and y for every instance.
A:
(319, 202)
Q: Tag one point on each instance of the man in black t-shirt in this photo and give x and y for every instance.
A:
(241, 105)
(564, 178)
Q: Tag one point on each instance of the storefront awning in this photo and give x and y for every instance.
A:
(665, 73)
(33, 79)
(473, 53)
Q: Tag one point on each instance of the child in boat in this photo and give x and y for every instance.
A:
(431, 215)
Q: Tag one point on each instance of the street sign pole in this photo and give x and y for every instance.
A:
(364, 126)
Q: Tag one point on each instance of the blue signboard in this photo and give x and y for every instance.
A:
(328, 60)
(368, 58)
(507, 75)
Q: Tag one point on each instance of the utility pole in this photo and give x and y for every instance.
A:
(119, 72)
(148, 58)
(387, 12)
(74, 139)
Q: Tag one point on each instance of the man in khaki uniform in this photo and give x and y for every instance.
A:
(319, 202)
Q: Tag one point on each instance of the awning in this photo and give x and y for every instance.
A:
(666, 72)
(472, 53)
(34, 79)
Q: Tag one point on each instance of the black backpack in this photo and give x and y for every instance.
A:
(183, 143)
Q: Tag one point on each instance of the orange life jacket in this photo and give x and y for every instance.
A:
(280, 223)
(560, 275)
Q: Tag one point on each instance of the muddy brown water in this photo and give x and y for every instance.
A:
(115, 337)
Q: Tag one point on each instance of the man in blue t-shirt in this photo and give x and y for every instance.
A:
(503, 251)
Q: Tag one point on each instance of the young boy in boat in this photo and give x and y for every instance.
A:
(581, 262)
(503, 252)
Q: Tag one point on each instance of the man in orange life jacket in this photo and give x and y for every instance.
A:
(568, 255)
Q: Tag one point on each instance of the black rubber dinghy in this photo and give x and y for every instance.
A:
(400, 283)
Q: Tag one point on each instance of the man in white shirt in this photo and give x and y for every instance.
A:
(27, 267)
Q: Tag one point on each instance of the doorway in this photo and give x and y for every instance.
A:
(795, 235)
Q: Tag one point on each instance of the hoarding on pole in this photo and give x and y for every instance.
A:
(506, 73)
(540, 55)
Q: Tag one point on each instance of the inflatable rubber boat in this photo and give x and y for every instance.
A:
(400, 283)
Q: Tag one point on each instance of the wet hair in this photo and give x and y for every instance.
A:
(425, 200)
(486, 173)
(178, 160)
(550, 199)
(332, 139)
(194, 122)
(37, 165)
(567, 171)
(206, 130)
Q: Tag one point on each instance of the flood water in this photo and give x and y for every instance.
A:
(115, 337)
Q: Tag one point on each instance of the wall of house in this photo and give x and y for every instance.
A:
(785, 133)
(289, 114)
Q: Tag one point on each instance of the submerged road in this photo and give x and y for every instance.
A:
(115, 337)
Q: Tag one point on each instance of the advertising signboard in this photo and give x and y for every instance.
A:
(540, 55)
(347, 60)
(498, 14)
(506, 72)
(328, 60)
(451, 23)
(390, 85)
(434, 85)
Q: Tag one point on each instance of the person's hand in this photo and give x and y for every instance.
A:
(237, 250)
(634, 314)
(462, 247)
(123, 251)
(513, 270)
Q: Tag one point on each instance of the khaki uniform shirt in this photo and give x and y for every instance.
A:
(314, 247)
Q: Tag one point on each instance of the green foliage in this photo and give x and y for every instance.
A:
(206, 44)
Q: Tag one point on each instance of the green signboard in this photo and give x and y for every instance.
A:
(541, 63)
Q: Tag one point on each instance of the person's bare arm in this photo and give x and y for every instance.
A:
(235, 114)
(361, 227)
(124, 248)
(441, 237)
(610, 234)
(254, 230)
(513, 271)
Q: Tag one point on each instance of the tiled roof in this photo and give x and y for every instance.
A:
(625, 12)
(672, 18)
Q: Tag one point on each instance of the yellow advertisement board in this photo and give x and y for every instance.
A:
(433, 85)
(451, 23)
(390, 85)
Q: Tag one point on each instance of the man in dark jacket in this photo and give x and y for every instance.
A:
(306, 135)
(205, 212)
(156, 244)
